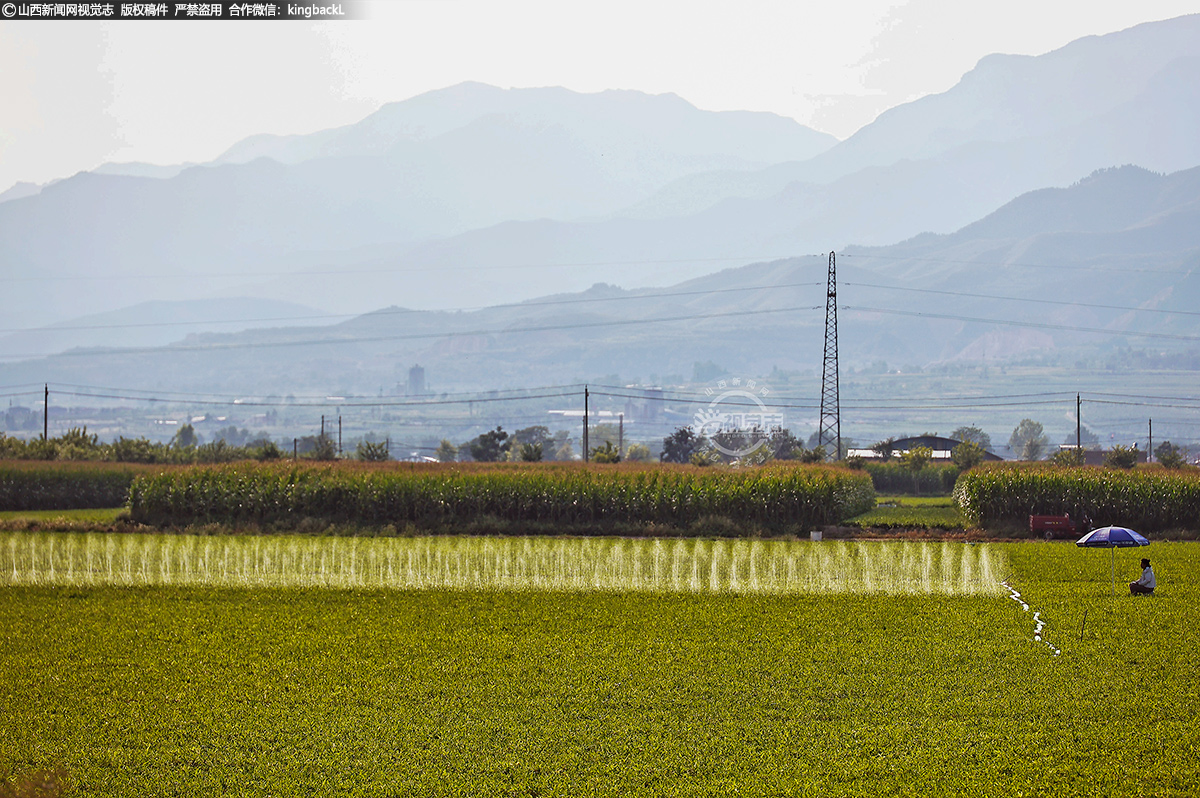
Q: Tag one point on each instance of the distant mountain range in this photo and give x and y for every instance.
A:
(476, 197)
(156, 323)
(440, 164)
(1111, 260)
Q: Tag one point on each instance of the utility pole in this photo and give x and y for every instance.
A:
(621, 436)
(1150, 451)
(295, 448)
(46, 415)
(339, 433)
(830, 427)
(322, 426)
(585, 424)
(1078, 425)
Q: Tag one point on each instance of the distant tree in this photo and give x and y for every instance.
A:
(638, 453)
(372, 452)
(783, 445)
(604, 433)
(185, 437)
(707, 371)
(1121, 457)
(538, 435)
(884, 448)
(447, 452)
(323, 448)
(490, 446)
(1028, 440)
(915, 460)
(1087, 438)
(560, 448)
(831, 447)
(232, 436)
(817, 454)
(1169, 455)
(729, 445)
(606, 454)
(967, 455)
(266, 450)
(137, 450)
(531, 452)
(77, 444)
(973, 435)
(1068, 457)
(679, 446)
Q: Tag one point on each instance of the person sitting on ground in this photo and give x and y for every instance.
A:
(1145, 585)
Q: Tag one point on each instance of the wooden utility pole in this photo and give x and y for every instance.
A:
(1150, 451)
(621, 436)
(585, 424)
(46, 415)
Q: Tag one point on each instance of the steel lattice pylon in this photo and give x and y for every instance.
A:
(829, 432)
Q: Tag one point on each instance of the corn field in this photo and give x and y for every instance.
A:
(65, 486)
(1149, 500)
(575, 498)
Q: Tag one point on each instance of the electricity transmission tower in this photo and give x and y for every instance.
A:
(829, 432)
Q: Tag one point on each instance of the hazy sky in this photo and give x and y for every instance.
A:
(76, 94)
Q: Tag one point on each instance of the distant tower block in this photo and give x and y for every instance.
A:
(416, 381)
(829, 433)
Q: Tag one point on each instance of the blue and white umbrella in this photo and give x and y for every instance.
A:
(1112, 538)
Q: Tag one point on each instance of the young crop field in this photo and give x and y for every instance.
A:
(909, 512)
(194, 690)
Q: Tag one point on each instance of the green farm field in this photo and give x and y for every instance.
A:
(195, 690)
(911, 512)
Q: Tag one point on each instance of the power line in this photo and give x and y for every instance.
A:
(1033, 324)
(1025, 299)
(175, 348)
(896, 260)
(410, 311)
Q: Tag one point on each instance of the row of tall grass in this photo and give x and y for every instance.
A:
(65, 485)
(773, 499)
(1144, 499)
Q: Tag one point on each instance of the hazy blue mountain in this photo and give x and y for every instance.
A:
(626, 127)
(138, 169)
(20, 190)
(1108, 254)
(157, 323)
(851, 194)
(438, 165)
(1125, 97)
(1118, 251)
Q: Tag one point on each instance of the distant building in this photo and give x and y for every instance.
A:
(646, 408)
(416, 381)
(942, 448)
(22, 418)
